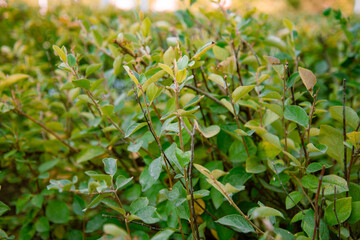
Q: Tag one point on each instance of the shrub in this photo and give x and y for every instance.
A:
(178, 126)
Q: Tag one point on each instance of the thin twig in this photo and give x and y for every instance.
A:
(46, 129)
(344, 128)
(287, 193)
(142, 224)
(236, 115)
(312, 110)
(321, 207)
(190, 169)
(352, 160)
(317, 218)
(336, 215)
(299, 129)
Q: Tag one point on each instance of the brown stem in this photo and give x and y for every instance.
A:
(46, 129)
(287, 193)
(344, 128)
(353, 157)
(283, 118)
(336, 215)
(258, 230)
(312, 110)
(236, 117)
(317, 218)
(303, 190)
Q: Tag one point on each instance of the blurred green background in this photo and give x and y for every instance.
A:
(267, 6)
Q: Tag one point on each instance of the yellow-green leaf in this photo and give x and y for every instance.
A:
(60, 53)
(131, 74)
(203, 49)
(167, 69)
(12, 79)
(241, 91)
(181, 75)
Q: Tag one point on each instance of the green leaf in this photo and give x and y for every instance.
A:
(266, 212)
(71, 60)
(117, 65)
(354, 191)
(138, 204)
(110, 166)
(296, 114)
(145, 27)
(329, 181)
(89, 153)
(292, 79)
(153, 79)
(146, 180)
(170, 153)
(295, 196)
(314, 167)
(217, 79)
(200, 194)
(78, 205)
(96, 200)
(97, 36)
(37, 201)
(42, 225)
(203, 50)
(181, 75)
(153, 92)
(155, 168)
(92, 68)
(287, 23)
(167, 69)
(355, 212)
(236, 222)
(107, 110)
(12, 79)
(83, 83)
(60, 53)
(183, 62)
(254, 166)
(183, 157)
(48, 165)
(114, 231)
(169, 56)
(113, 205)
(163, 235)
(99, 177)
(57, 211)
(208, 132)
(95, 223)
(220, 53)
(131, 75)
(3, 208)
(317, 148)
(351, 117)
(308, 224)
(333, 139)
(343, 211)
(121, 181)
(133, 128)
(241, 91)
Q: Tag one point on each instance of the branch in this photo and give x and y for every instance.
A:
(336, 215)
(46, 129)
(344, 129)
(317, 218)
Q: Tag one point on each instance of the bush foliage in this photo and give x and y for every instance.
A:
(178, 126)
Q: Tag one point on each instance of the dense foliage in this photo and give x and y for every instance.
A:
(178, 126)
